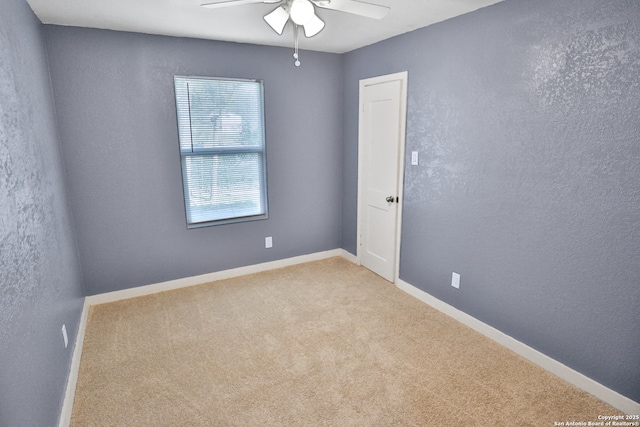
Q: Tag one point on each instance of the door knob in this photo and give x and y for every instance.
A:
(390, 199)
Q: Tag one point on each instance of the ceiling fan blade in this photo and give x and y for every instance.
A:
(354, 7)
(225, 3)
(277, 19)
(313, 27)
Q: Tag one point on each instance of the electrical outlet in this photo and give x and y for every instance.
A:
(455, 280)
(64, 335)
(268, 242)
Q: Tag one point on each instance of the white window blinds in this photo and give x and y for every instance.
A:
(222, 148)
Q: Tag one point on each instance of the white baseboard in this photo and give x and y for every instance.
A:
(67, 405)
(210, 277)
(349, 256)
(579, 380)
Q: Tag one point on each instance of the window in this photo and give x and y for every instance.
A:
(222, 148)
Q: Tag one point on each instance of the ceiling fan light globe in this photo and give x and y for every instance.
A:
(301, 11)
(277, 19)
(313, 27)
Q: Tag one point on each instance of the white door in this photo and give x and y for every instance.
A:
(381, 154)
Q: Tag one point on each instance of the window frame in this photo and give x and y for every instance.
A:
(221, 152)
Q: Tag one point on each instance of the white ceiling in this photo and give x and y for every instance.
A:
(185, 18)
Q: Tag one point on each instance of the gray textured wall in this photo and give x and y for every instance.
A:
(40, 283)
(527, 119)
(115, 102)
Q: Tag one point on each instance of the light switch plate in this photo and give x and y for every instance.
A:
(414, 158)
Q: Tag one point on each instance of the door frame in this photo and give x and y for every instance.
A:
(403, 78)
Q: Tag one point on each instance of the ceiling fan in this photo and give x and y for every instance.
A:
(302, 12)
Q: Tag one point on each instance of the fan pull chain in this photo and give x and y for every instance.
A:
(295, 42)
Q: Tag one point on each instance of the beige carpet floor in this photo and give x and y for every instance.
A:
(326, 343)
